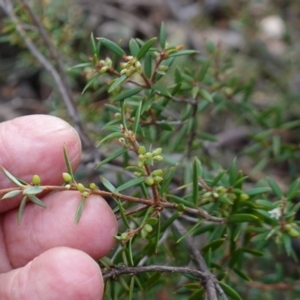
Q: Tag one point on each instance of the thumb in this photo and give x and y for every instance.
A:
(59, 273)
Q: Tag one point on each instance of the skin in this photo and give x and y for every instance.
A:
(47, 256)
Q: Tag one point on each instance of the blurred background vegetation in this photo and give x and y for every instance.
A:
(254, 50)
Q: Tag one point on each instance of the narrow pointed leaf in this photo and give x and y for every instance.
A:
(275, 188)
(11, 177)
(33, 190)
(148, 65)
(111, 136)
(144, 49)
(90, 83)
(134, 47)
(93, 44)
(183, 52)
(162, 36)
(137, 117)
(79, 210)
(83, 65)
(196, 174)
(21, 209)
(117, 82)
(111, 157)
(127, 94)
(68, 163)
(229, 291)
(11, 194)
(293, 190)
(112, 46)
(123, 215)
(240, 218)
(36, 201)
(107, 184)
(130, 183)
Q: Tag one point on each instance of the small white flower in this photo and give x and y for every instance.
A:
(275, 213)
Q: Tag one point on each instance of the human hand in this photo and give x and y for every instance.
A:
(47, 256)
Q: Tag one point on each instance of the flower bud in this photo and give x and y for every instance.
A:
(142, 150)
(148, 228)
(293, 233)
(157, 151)
(103, 69)
(244, 197)
(149, 180)
(124, 236)
(85, 194)
(67, 177)
(158, 158)
(157, 172)
(93, 186)
(80, 187)
(36, 180)
(158, 179)
(144, 233)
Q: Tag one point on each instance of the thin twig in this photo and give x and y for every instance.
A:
(118, 271)
(210, 283)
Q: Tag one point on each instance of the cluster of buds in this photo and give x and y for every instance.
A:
(131, 66)
(155, 177)
(222, 194)
(291, 230)
(80, 187)
(147, 158)
(104, 65)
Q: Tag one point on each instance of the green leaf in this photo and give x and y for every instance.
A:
(196, 174)
(12, 178)
(168, 176)
(107, 184)
(287, 242)
(213, 245)
(229, 291)
(133, 47)
(11, 194)
(111, 136)
(117, 82)
(36, 200)
(293, 190)
(232, 172)
(161, 89)
(33, 190)
(79, 210)
(169, 221)
(204, 69)
(83, 65)
(111, 157)
(130, 183)
(276, 145)
(68, 163)
(257, 191)
(240, 218)
(90, 83)
(112, 46)
(148, 65)
(183, 52)
(162, 35)
(93, 44)
(21, 209)
(123, 215)
(137, 117)
(190, 231)
(206, 95)
(242, 274)
(144, 49)
(275, 188)
(128, 94)
(180, 200)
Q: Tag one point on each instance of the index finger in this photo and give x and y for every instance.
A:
(34, 145)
